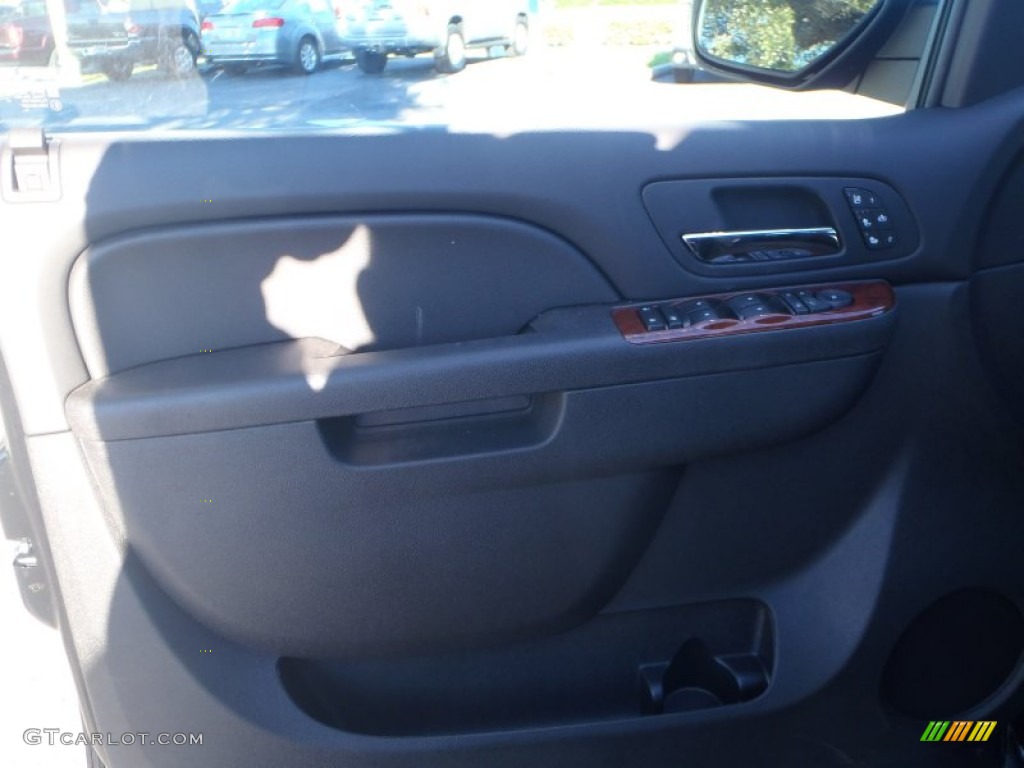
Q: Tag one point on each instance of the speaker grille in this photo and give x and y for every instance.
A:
(954, 654)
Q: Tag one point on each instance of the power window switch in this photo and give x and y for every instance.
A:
(792, 301)
(694, 304)
(751, 311)
(742, 300)
(702, 316)
(812, 302)
(673, 317)
(652, 319)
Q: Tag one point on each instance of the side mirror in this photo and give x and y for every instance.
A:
(792, 43)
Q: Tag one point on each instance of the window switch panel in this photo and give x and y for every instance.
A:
(745, 312)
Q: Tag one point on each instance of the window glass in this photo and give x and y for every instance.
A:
(252, 6)
(497, 66)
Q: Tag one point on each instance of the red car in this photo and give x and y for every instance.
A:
(26, 37)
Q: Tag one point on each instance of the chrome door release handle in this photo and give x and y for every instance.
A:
(718, 247)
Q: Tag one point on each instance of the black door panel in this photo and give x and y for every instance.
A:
(355, 467)
(564, 350)
(325, 513)
(363, 282)
(600, 213)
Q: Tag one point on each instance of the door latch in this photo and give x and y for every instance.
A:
(24, 554)
(30, 166)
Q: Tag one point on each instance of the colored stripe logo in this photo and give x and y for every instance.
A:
(959, 730)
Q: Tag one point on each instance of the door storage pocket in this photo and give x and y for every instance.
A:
(615, 667)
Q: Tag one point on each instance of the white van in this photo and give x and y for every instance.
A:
(446, 28)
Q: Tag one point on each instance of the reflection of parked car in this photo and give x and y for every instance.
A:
(296, 33)
(445, 27)
(26, 37)
(112, 38)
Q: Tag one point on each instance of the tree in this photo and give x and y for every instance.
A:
(778, 34)
(818, 22)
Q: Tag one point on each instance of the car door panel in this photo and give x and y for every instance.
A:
(421, 503)
(367, 283)
(369, 493)
(995, 287)
(368, 174)
(304, 407)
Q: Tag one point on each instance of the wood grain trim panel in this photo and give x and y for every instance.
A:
(870, 299)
